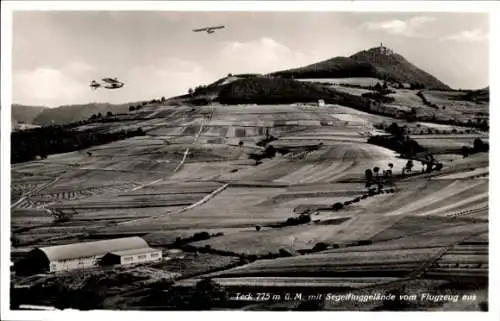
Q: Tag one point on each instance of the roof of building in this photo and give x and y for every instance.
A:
(88, 249)
(135, 251)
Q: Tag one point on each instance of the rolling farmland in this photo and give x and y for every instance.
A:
(191, 173)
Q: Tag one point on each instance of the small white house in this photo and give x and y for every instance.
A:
(82, 255)
(133, 256)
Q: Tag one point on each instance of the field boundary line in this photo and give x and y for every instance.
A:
(144, 185)
(205, 199)
(200, 202)
(194, 141)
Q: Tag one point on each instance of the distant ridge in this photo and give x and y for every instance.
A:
(378, 62)
(63, 114)
(26, 114)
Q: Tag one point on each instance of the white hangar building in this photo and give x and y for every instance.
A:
(128, 250)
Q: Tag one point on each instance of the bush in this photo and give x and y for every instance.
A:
(337, 206)
(320, 246)
(199, 236)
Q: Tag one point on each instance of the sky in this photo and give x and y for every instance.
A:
(57, 54)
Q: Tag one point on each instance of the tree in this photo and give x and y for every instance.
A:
(190, 91)
(389, 171)
(139, 131)
(109, 114)
(368, 177)
(257, 228)
(395, 130)
(479, 145)
(270, 151)
(320, 246)
(408, 166)
(376, 169)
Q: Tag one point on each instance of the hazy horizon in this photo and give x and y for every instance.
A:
(57, 54)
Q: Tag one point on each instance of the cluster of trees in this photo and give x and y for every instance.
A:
(401, 144)
(144, 103)
(197, 90)
(478, 146)
(136, 107)
(379, 86)
(301, 219)
(199, 236)
(427, 102)
(269, 152)
(417, 86)
(98, 116)
(43, 141)
(374, 177)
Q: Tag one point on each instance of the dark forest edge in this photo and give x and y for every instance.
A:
(41, 142)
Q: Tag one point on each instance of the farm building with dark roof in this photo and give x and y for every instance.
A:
(86, 254)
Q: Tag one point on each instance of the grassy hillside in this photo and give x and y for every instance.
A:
(367, 63)
(26, 114)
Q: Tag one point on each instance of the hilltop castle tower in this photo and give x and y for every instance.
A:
(384, 50)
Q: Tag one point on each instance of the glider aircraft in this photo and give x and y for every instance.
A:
(209, 29)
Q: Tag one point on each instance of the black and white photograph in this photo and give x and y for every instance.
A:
(247, 160)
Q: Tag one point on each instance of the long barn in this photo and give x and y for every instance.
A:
(86, 254)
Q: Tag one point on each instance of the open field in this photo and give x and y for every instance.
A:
(192, 173)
